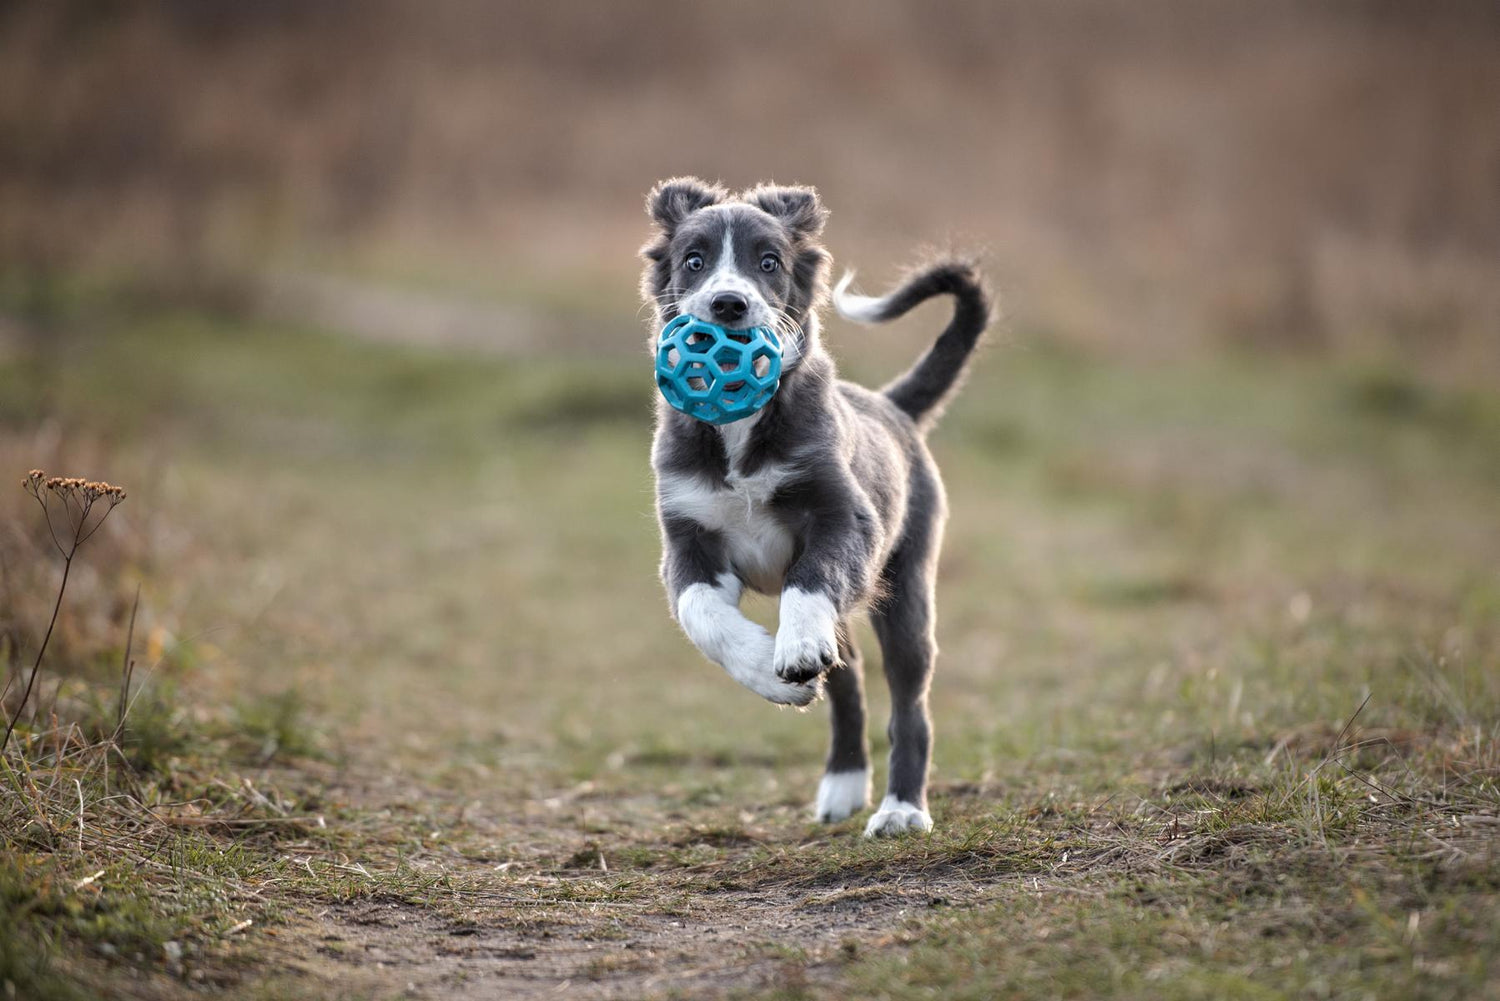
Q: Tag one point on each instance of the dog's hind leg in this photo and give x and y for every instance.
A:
(904, 622)
(845, 788)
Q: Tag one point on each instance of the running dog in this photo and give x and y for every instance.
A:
(827, 496)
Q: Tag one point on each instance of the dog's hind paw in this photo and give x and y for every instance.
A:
(895, 817)
(841, 795)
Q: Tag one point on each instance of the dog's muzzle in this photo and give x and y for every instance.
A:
(715, 374)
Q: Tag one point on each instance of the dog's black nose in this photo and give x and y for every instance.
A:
(729, 306)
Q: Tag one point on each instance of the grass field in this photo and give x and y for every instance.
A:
(1217, 708)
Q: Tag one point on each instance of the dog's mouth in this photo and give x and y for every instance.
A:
(736, 385)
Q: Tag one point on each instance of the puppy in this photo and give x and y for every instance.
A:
(827, 496)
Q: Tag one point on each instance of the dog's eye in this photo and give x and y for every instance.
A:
(693, 262)
(770, 263)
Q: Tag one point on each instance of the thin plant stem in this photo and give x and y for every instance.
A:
(127, 666)
(36, 666)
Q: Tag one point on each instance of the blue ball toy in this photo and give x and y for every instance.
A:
(714, 374)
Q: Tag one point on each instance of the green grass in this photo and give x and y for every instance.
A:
(1217, 705)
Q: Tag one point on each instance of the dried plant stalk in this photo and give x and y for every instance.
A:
(75, 509)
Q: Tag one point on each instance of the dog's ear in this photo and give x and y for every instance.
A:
(798, 207)
(670, 202)
(673, 200)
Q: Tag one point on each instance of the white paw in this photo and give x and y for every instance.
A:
(787, 693)
(807, 640)
(841, 795)
(712, 620)
(799, 659)
(895, 817)
(750, 665)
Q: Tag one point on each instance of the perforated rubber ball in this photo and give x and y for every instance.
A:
(714, 374)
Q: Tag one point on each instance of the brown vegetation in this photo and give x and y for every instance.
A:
(1153, 174)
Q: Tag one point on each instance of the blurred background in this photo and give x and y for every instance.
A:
(1147, 177)
(344, 294)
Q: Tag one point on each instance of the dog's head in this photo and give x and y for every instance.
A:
(741, 261)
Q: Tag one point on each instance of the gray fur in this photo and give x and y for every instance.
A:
(836, 477)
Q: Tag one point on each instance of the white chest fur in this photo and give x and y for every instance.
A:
(760, 547)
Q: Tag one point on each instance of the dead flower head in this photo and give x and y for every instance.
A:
(75, 507)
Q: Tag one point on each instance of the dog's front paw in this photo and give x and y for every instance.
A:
(799, 694)
(801, 659)
(748, 661)
(896, 817)
(807, 641)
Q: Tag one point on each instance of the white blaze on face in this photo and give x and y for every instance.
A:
(727, 277)
(725, 274)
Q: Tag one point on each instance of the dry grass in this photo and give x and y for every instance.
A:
(1217, 710)
(102, 787)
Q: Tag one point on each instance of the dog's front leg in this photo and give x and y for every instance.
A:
(705, 598)
(821, 588)
(807, 642)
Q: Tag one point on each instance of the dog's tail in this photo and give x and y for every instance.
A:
(926, 386)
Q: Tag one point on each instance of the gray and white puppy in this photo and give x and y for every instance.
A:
(826, 496)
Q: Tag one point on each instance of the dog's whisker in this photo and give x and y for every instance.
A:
(666, 300)
(790, 331)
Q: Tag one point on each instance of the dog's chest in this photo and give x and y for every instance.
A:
(760, 547)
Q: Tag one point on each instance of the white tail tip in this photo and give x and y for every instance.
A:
(853, 306)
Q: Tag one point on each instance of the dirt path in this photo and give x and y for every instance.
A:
(729, 940)
(606, 895)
